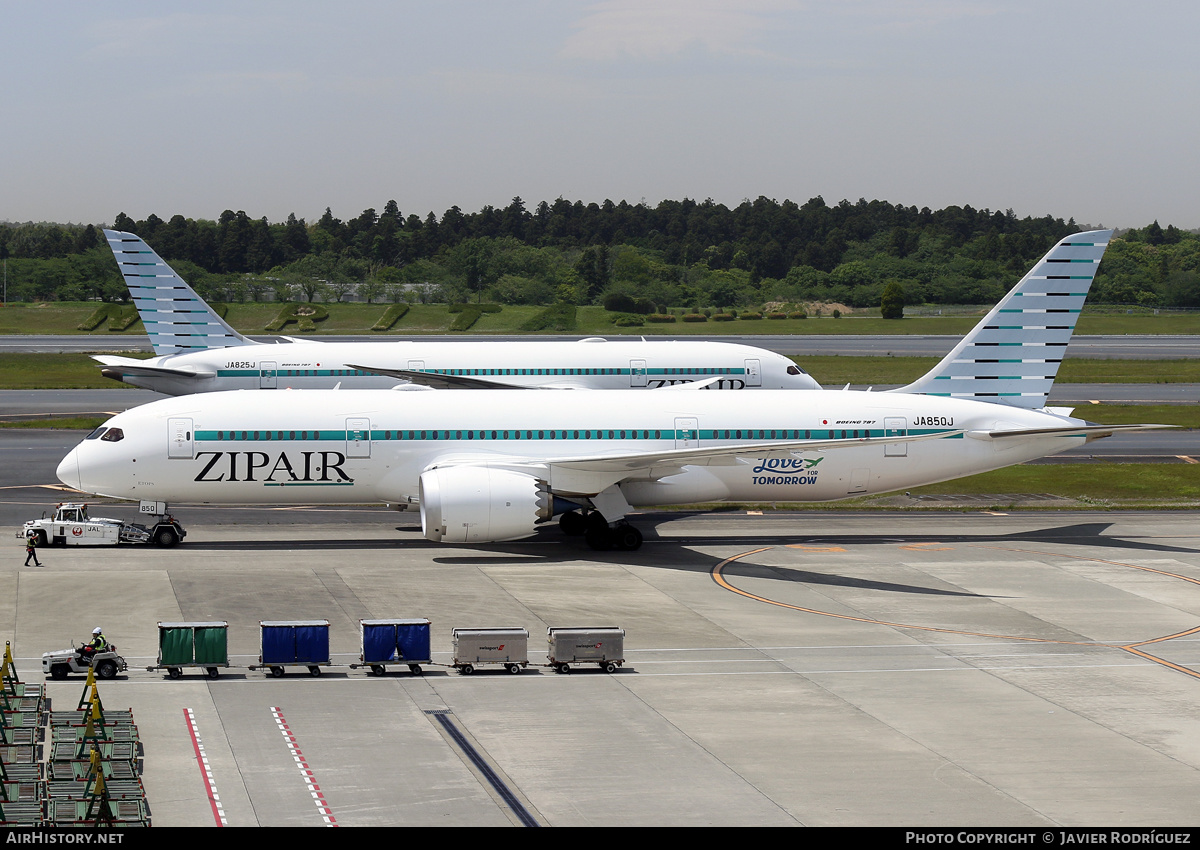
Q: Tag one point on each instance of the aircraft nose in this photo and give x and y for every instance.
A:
(68, 470)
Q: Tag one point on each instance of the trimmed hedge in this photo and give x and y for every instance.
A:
(304, 315)
(122, 319)
(557, 317)
(95, 320)
(392, 315)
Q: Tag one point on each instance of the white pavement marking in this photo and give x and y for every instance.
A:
(205, 769)
(305, 771)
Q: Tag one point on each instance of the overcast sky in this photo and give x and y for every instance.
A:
(1076, 109)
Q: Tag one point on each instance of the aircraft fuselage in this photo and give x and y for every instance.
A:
(339, 447)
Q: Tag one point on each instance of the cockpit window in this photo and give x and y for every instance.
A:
(794, 370)
(96, 433)
(113, 435)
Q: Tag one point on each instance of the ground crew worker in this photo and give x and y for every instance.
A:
(98, 644)
(31, 542)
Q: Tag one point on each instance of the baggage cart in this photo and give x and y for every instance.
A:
(604, 646)
(387, 642)
(507, 647)
(129, 751)
(125, 813)
(13, 754)
(22, 814)
(203, 645)
(294, 643)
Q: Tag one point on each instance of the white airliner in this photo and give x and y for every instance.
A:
(485, 466)
(198, 352)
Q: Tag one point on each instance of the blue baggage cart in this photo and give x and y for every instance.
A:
(395, 642)
(294, 643)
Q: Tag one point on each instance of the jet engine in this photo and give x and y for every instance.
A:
(472, 504)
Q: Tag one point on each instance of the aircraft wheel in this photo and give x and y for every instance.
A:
(600, 539)
(572, 523)
(627, 537)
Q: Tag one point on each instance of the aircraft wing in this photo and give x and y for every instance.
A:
(591, 474)
(441, 381)
(128, 366)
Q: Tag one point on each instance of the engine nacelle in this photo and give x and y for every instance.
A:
(473, 504)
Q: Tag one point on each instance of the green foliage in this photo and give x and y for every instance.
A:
(304, 315)
(392, 315)
(628, 320)
(479, 308)
(98, 317)
(676, 253)
(121, 319)
(468, 314)
(557, 317)
(891, 304)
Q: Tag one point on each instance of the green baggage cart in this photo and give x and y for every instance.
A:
(203, 645)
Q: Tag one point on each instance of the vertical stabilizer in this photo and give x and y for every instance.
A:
(1012, 356)
(177, 320)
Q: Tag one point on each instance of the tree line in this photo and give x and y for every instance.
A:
(675, 254)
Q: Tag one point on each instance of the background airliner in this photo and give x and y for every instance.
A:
(197, 351)
(485, 466)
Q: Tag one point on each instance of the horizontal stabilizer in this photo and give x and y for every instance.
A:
(1091, 431)
(116, 367)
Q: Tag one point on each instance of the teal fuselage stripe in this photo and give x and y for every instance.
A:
(535, 435)
(491, 373)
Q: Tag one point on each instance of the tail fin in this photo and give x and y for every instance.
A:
(176, 318)
(1012, 356)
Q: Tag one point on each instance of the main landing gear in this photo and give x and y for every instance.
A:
(599, 533)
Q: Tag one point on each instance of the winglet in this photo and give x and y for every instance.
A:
(176, 318)
(1012, 356)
